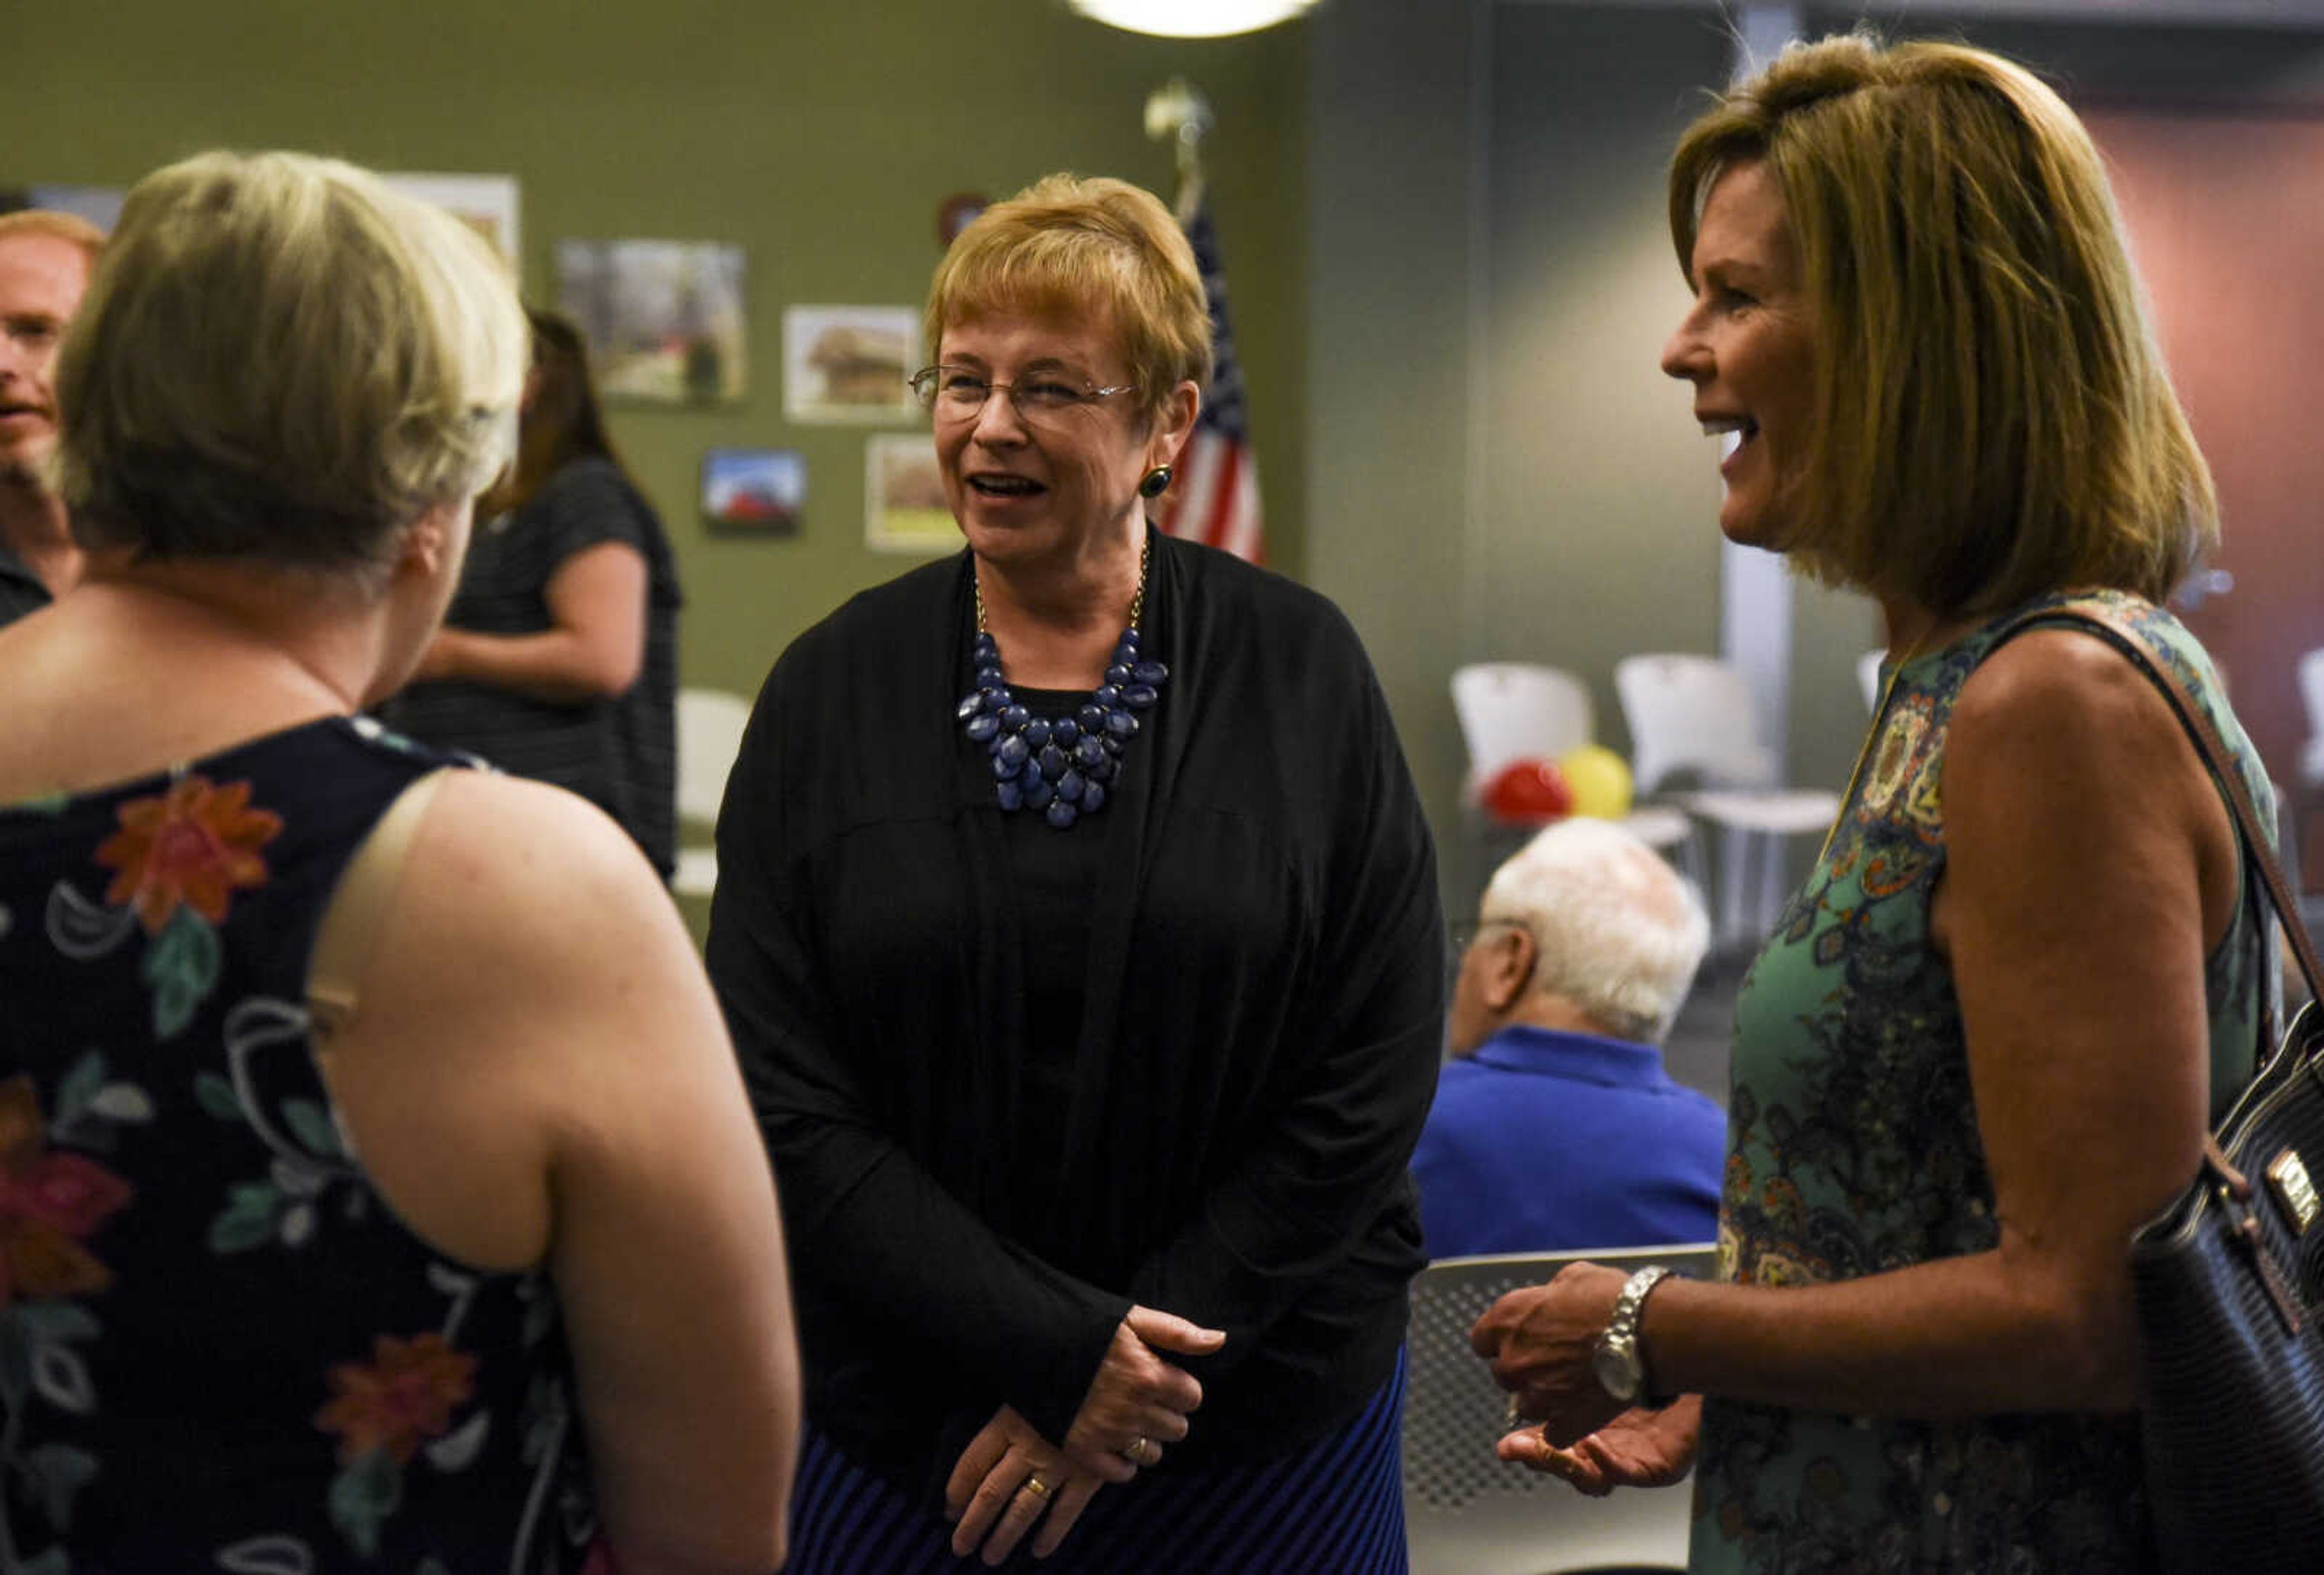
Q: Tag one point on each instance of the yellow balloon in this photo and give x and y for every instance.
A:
(1601, 781)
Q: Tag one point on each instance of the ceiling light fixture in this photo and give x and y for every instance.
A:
(1191, 18)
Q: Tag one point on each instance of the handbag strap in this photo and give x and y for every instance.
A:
(2257, 843)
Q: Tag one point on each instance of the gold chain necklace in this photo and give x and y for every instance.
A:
(1137, 597)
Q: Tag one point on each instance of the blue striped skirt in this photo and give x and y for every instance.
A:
(1334, 1508)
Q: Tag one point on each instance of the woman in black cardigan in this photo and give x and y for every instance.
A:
(1077, 926)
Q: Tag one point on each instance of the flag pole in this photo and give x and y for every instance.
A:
(1213, 497)
(1177, 112)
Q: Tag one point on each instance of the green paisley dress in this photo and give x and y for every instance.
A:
(1853, 1148)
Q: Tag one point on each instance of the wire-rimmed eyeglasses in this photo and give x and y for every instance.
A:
(957, 394)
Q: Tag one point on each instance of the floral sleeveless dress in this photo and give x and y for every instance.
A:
(219, 1348)
(1853, 1148)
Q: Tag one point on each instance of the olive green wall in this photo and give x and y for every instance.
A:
(822, 135)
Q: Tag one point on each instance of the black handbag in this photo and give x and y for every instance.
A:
(2229, 1278)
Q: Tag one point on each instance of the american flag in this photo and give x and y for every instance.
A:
(1215, 498)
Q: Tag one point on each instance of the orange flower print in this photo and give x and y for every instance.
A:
(50, 1203)
(406, 1394)
(194, 844)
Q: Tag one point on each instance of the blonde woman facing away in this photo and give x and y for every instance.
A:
(381, 1190)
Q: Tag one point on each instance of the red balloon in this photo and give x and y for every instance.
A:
(1531, 789)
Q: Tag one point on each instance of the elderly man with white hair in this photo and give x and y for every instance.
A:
(1555, 1126)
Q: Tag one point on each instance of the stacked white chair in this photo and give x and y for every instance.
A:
(710, 724)
(1515, 710)
(1692, 716)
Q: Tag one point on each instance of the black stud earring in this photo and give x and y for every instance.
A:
(1156, 482)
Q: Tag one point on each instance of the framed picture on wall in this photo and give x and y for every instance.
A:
(904, 506)
(487, 204)
(753, 492)
(665, 318)
(849, 363)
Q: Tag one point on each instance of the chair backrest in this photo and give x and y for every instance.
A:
(2311, 690)
(710, 724)
(1691, 714)
(1466, 1511)
(1512, 710)
(1868, 676)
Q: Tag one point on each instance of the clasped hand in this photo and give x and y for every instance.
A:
(1009, 1478)
(1540, 1341)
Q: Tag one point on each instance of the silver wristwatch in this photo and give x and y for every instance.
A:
(1620, 1366)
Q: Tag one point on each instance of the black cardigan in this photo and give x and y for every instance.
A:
(1260, 1044)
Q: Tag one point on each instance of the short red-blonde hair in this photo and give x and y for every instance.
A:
(1095, 248)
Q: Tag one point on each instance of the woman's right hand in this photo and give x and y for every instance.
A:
(1006, 1479)
(1138, 1401)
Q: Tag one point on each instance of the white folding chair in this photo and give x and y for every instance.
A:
(1692, 715)
(710, 724)
(1465, 1512)
(1513, 711)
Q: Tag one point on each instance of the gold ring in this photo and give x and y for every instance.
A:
(1135, 1453)
(1039, 1488)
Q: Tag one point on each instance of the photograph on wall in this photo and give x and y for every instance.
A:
(487, 204)
(849, 363)
(753, 492)
(99, 205)
(664, 319)
(903, 507)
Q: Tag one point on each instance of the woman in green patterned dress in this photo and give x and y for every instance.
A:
(1983, 1044)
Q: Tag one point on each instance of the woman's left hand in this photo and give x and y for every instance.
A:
(1639, 1449)
(1007, 1478)
(1540, 1341)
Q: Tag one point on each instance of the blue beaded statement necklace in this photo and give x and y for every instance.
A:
(1064, 769)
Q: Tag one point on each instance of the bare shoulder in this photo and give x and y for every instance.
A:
(530, 951)
(2055, 693)
(516, 821)
(2064, 760)
(507, 867)
(523, 954)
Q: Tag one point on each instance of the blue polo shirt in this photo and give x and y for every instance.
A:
(1544, 1141)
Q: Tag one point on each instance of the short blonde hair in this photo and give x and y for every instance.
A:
(1615, 930)
(281, 360)
(1993, 418)
(1095, 247)
(68, 227)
